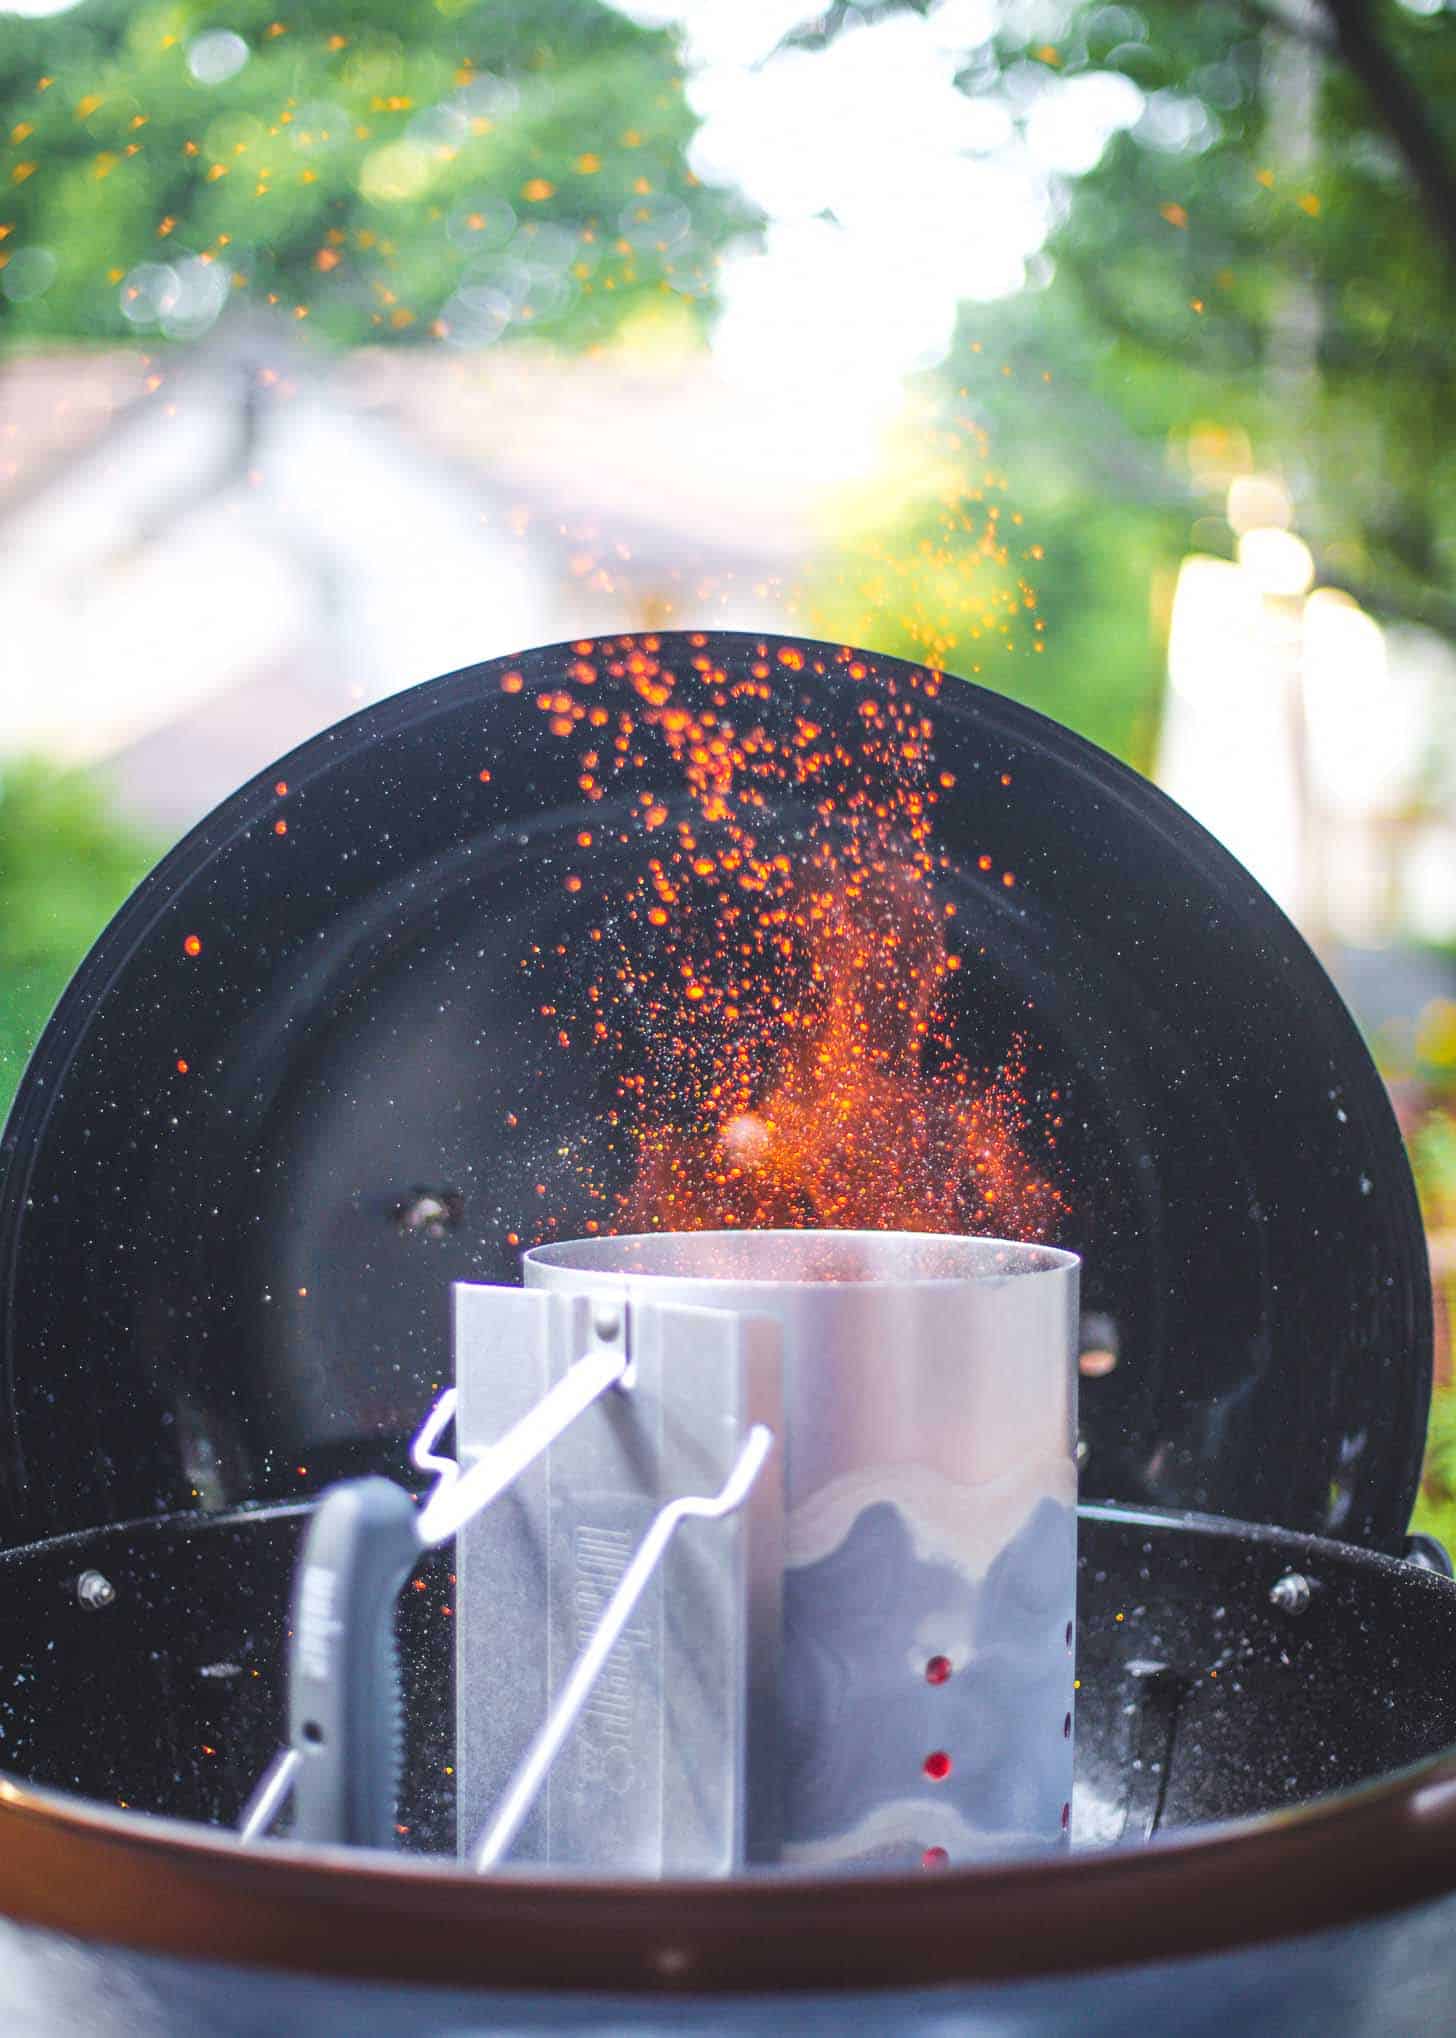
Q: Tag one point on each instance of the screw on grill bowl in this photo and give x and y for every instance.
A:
(429, 1213)
(1427, 1554)
(1291, 1593)
(94, 1590)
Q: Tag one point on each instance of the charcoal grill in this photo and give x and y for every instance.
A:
(337, 1057)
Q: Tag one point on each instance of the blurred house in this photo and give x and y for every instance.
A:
(1320, 747)
(206, 557)
(1317, 744)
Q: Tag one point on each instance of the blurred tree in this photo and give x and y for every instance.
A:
(463, 172)
(1255, 255)
(381, 172)
(1260, 267)
(65, 866)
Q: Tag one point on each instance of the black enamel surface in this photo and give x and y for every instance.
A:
(357, 1029)
(1199, 1699)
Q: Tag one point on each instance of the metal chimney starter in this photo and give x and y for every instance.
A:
(867, 1666)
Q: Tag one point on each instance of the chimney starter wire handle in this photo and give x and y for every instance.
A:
(344, 1756)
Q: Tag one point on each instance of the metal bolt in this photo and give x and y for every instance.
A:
(1427, 1554)
(1291, 1593)
(94, 1590)
(429, 1213)
(609, 1333)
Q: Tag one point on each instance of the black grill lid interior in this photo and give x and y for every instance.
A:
(271, 1120)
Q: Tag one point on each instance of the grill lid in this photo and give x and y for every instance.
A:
(342, 1048)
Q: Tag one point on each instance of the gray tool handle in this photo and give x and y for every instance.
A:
(344, 1704)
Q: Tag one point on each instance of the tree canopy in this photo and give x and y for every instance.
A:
(450, 173)
(1259, 269)
(66, 864)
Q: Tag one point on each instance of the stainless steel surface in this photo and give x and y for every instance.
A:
(930, 1538)
(1389, 1978)
(507, 1819)
(462, 1492)
(671, 1768)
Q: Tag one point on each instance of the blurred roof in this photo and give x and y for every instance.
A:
(56, 405)
(210, 554)
(670, 451)
(663, 449)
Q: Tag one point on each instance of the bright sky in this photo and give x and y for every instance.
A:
(877, 174)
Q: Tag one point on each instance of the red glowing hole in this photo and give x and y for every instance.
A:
(192, 945)
(281, 788)
(937, 1670)
(182, 1067)
(935, 1857)
(280, 827)
(938, 1766)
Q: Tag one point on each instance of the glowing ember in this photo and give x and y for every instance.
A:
(775, 1012)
